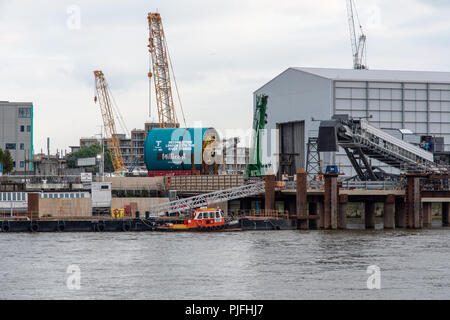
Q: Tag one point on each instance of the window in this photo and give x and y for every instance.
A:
(28, 128)
(22, 146)
(200, 216)
(22, 128)
(45, 196)
(105, 187)
(24, 112)
(71, 195)
(22, 164)
(217, 214)
(10, 146)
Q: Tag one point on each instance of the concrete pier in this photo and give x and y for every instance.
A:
(313, 210)
(400, 215)
(302, 200)
(321, 210)
(369, 214)
(388, 214)
(342, 216)
(445, 214)
(427, 214)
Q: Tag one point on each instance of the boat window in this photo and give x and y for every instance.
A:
(218, 215)
(200, 215)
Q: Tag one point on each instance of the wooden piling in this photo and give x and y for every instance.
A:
(414, 214)
(270, 192)
(302, 202)
(330, 212)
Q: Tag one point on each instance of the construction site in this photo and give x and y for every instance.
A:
(327, 145)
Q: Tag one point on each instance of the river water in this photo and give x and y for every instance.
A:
(234, 265)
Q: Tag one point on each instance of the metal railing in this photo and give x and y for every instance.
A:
(261, 213)
(372, 185)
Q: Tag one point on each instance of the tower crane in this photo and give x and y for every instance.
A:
(358, 40)
(104, 99)
(160, 63)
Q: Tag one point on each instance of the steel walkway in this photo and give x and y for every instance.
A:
(207, 199)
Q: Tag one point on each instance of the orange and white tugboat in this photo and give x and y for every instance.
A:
(204, 219)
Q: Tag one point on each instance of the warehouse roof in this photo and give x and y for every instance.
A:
(378, 75)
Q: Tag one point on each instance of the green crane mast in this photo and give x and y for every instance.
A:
(255, 167)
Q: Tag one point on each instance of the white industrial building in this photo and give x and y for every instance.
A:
(414, 100)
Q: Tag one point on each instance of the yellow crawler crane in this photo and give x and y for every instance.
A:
(104, 99)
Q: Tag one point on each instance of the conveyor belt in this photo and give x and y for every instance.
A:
(361, 140)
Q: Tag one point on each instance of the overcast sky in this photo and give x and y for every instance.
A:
(222, 51)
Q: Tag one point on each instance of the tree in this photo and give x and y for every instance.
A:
(90, 152)
(7, 161)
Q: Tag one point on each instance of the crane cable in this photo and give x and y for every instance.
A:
(175, 81)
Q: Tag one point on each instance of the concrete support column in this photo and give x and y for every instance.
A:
(270, 192)
(414, 215)
(313, 211)
(342, 216)
(331, 206)
(388, 215)
(291, 206)
(400, 214)
(369, 214)
(321, 210)
(302, 202)
(445, 214)
(427, 214)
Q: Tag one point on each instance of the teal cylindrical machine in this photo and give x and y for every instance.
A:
(172, 148)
